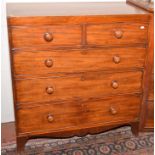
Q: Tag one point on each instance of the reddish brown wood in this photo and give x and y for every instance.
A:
(50, 90)
(50, 118)
(149, 122)
(71, 9)
(9, 134)
(21, 141)
(77, 86)
(135, 128)
(116, 59)
(111, 34)
(67, 20)
(113, 110)
(49, 62)
(46, 36)
(147, 87)
(118, 34)
(85, 64)
(81, 60)
(68, 115)
(151, 90)
(114, 84)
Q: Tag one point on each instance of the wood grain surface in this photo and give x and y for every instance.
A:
(34, 36)
(71, 9)
(149, 121)
(82, 69)
(68, 115)
(82, 60)
(107, 34)
(77, 86)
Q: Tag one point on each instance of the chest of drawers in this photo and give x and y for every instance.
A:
(77, 68)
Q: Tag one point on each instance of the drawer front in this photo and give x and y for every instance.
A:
(68, 116)
(116, 34)
(43, 36)
(77, 86)
(45, 62)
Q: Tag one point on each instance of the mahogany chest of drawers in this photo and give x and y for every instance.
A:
(78, 68)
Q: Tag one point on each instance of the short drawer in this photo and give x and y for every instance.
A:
(68, 116)
(45, 36)
(77, 86)
(46, 62)
(117, 34)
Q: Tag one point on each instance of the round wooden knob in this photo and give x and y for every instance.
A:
(49, 63)
(113, 111)
(114, 84)
(50, 118)
(48, 36)
(118, 34)
(49, 90)
(116, 59)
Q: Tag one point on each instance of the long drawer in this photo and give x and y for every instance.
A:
(70, 116)
(40, 36)
(46, 62)
(77, 86)
(117, 34)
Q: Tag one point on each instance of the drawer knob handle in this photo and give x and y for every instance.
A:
(116, 59)
(49, 63)
(114, 84)
(50, 118)
(113, 111)
(48, 36)
(49, 90)
(118, 34)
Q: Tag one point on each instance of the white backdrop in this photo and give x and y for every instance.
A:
(7, 114)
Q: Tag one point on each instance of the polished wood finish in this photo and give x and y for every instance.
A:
(109, 34)
(88, 64)
(46, 36)
(66, 116)
(149, 103)
(116, 59)
(80, 86)
(151, 90)
(49, 90)
(18, 10)
(149, 123)
(48, 62)
(67, 20)
(50, 118)
(53, 61)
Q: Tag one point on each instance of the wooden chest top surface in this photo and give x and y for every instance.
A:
(71, 9)
(79, 68)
